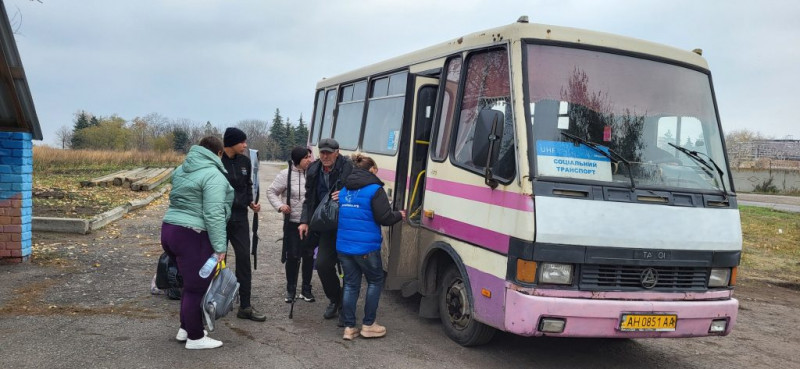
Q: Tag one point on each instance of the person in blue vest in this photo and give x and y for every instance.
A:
(363, 209)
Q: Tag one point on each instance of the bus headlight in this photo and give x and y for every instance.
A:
(555, 273)
(719, 277)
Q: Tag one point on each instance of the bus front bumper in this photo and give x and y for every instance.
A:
(532, 315)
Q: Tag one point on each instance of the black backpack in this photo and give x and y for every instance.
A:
(168, 278)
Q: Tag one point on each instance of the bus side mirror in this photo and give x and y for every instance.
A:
(486, 141)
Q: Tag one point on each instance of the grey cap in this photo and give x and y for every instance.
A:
(328, 145)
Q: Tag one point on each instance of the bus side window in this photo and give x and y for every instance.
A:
(385, 115)
(441, 141)
(348, 120)
(487, 87)
(327, 118)
(317, 122)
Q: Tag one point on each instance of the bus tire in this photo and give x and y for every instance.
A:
(455, 312)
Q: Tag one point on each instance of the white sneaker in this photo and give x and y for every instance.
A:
(183, 335)
(203, 343)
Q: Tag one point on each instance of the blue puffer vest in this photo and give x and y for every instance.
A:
(358, 232)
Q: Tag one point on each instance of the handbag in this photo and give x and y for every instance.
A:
(167, 275)
(168, 278)
(326, 217)
(221, 296)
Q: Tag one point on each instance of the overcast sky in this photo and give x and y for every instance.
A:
(224, 61)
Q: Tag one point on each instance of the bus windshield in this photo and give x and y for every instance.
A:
(655, 119)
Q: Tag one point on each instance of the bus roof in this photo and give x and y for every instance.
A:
(517, 31)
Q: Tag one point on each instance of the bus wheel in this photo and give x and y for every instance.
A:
(455, 311)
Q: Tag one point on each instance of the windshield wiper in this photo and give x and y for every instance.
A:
(715, 168)
(611, 155)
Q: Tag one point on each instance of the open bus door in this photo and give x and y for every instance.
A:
(403, 255)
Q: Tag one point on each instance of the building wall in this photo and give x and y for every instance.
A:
(16, 207)
(745, 180)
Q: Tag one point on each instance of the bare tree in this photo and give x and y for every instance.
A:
(64, 135)
(257, 132)
(742, 146)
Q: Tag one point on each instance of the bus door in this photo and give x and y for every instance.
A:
(403, 253)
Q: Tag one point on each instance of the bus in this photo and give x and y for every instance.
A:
(558, 182)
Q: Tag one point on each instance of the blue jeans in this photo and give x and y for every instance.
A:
(354, 266)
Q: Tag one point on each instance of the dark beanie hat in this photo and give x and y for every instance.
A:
(298, 153)
(233, 136)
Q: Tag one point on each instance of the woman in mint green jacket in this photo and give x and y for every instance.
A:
(193, 229)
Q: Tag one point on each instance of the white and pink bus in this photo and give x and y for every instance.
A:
(558, 181)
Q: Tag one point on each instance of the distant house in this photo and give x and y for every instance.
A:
(776, 149)
(19, 125)
(785, 149)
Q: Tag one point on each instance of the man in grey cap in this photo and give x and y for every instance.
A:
(328, 172)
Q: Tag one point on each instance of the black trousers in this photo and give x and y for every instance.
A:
(326, 267)
(239, 236)
(299, 255)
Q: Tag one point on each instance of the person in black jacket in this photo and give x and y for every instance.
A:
(328, 172)
(239, 175)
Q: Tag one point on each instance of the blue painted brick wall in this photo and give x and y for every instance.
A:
(16, 181)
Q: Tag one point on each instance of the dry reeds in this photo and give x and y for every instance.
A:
(52, 160)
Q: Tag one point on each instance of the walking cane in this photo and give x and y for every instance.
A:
(294, 297)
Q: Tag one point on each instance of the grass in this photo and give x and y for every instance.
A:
(48, 160)
(57, 175)
(771, 244)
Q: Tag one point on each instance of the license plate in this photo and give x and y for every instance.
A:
(648, 322)
(652, 254)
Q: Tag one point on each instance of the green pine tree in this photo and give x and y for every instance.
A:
(81, 122)
(180, 140)
(277, 132)
(290, 139)
(300, 133)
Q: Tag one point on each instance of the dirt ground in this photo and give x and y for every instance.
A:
(84, 301)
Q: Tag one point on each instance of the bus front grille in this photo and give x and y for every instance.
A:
(640, 278)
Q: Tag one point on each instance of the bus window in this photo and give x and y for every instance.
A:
(385, 114)
(327, 120)
(442, 140)
(348, 120)
(317, 118)
(686, 132)
(487, 87)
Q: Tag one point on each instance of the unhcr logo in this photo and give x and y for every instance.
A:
(649, 278)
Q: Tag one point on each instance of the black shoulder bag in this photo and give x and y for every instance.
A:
(326, 216)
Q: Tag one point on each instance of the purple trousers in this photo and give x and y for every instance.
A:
(190, 250)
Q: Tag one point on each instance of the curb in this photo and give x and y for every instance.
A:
(779, 207)
(84, 226)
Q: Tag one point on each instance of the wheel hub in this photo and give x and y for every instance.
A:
(458, 305)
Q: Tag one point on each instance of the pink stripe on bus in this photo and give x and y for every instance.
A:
(386, 175)
(483, 194)
(480, 236)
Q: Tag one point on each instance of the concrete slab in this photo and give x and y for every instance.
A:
(63, 225)
(84, 226)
